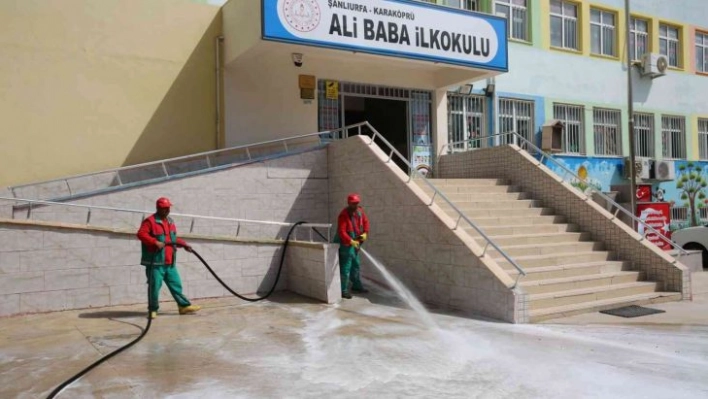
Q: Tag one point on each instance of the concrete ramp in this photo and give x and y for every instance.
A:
(417, 241)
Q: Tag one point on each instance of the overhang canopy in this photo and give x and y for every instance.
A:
(457, 46)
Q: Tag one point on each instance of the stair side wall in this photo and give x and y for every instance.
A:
(413, 240)
(47, 268)
(521, 169)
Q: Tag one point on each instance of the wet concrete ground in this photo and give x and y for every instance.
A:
(366, 347)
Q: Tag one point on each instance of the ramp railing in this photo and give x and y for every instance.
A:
(73, 187)
(110, 217)
(526, 145)
(366, 129)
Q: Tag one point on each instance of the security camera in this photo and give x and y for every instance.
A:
(297, 59)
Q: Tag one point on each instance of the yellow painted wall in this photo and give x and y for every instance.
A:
(87, 85)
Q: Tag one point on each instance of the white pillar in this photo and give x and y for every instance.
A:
(440, 125)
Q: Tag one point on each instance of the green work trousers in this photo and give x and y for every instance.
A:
(349, 268)
(170, 276)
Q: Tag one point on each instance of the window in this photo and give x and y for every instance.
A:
(703, 138)
(602, 32)
(573, 133)
(564, 25)
(516, 13)
(669, 44)
(607, 131)
(673, 137)
(702, 52)
(644, 135)
(638, 38)
(470, 5)
(516, 116)
(465, 117)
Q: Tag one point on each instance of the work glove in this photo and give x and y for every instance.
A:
(355, 244)
(363, 237)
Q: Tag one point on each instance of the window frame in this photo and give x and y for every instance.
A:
(513, 9)
(516, 105)
(704, 47)
(649, 131)
(682, 154)
(633, 34)
(463, 3)
(578, 26)
(463, 109)
(603, 27)
(579, 110)
(678, 41)
(604, 124)
(703, 138)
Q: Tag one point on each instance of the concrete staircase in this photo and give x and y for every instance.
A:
(567, 272)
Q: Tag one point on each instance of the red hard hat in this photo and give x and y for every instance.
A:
(163, 202)
(353, 199)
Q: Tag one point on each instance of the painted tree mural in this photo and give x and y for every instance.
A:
(691, 183)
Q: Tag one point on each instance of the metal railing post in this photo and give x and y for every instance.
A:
(164, 169)
(88, 217)
(68, 186)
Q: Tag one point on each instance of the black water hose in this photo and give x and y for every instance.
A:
(68, 382)
(277, 276)
(95, 364)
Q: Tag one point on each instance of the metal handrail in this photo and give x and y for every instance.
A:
(181, 215)
(206, 155)
(436, 192)
(567, 171)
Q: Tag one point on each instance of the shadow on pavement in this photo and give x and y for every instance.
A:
(111, 314)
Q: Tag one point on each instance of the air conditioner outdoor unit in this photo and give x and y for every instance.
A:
(664, 170)
(642, 168)
(654, 65)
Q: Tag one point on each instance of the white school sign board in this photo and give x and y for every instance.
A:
(397, 28)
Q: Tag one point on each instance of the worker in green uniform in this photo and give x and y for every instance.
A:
(352, 231)
(158, 235)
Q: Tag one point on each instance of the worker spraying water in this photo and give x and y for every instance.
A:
(158, 235)
(352, 232)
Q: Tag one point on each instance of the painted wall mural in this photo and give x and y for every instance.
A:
(687, 194)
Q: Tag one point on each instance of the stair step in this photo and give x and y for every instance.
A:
(596, 306)
(521, 230)
(511, 221)
(450, 189)
(556, 259)
(519, 213)
(490, 204)
(548, 248)
(578, 282)
(573, 270)
(471, 197)
(576, 296)
(506, 240)
(467, 182)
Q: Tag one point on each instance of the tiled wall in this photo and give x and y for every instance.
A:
(517, 166)
(291, 189)
(48, 268)
(441, 266)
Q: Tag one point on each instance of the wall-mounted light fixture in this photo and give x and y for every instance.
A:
(297, 59)
(489, 90)
(465, 89)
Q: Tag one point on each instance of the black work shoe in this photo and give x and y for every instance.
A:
(346, 295)
(360, 290)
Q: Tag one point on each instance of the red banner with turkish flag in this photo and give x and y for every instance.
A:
(658, 216)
